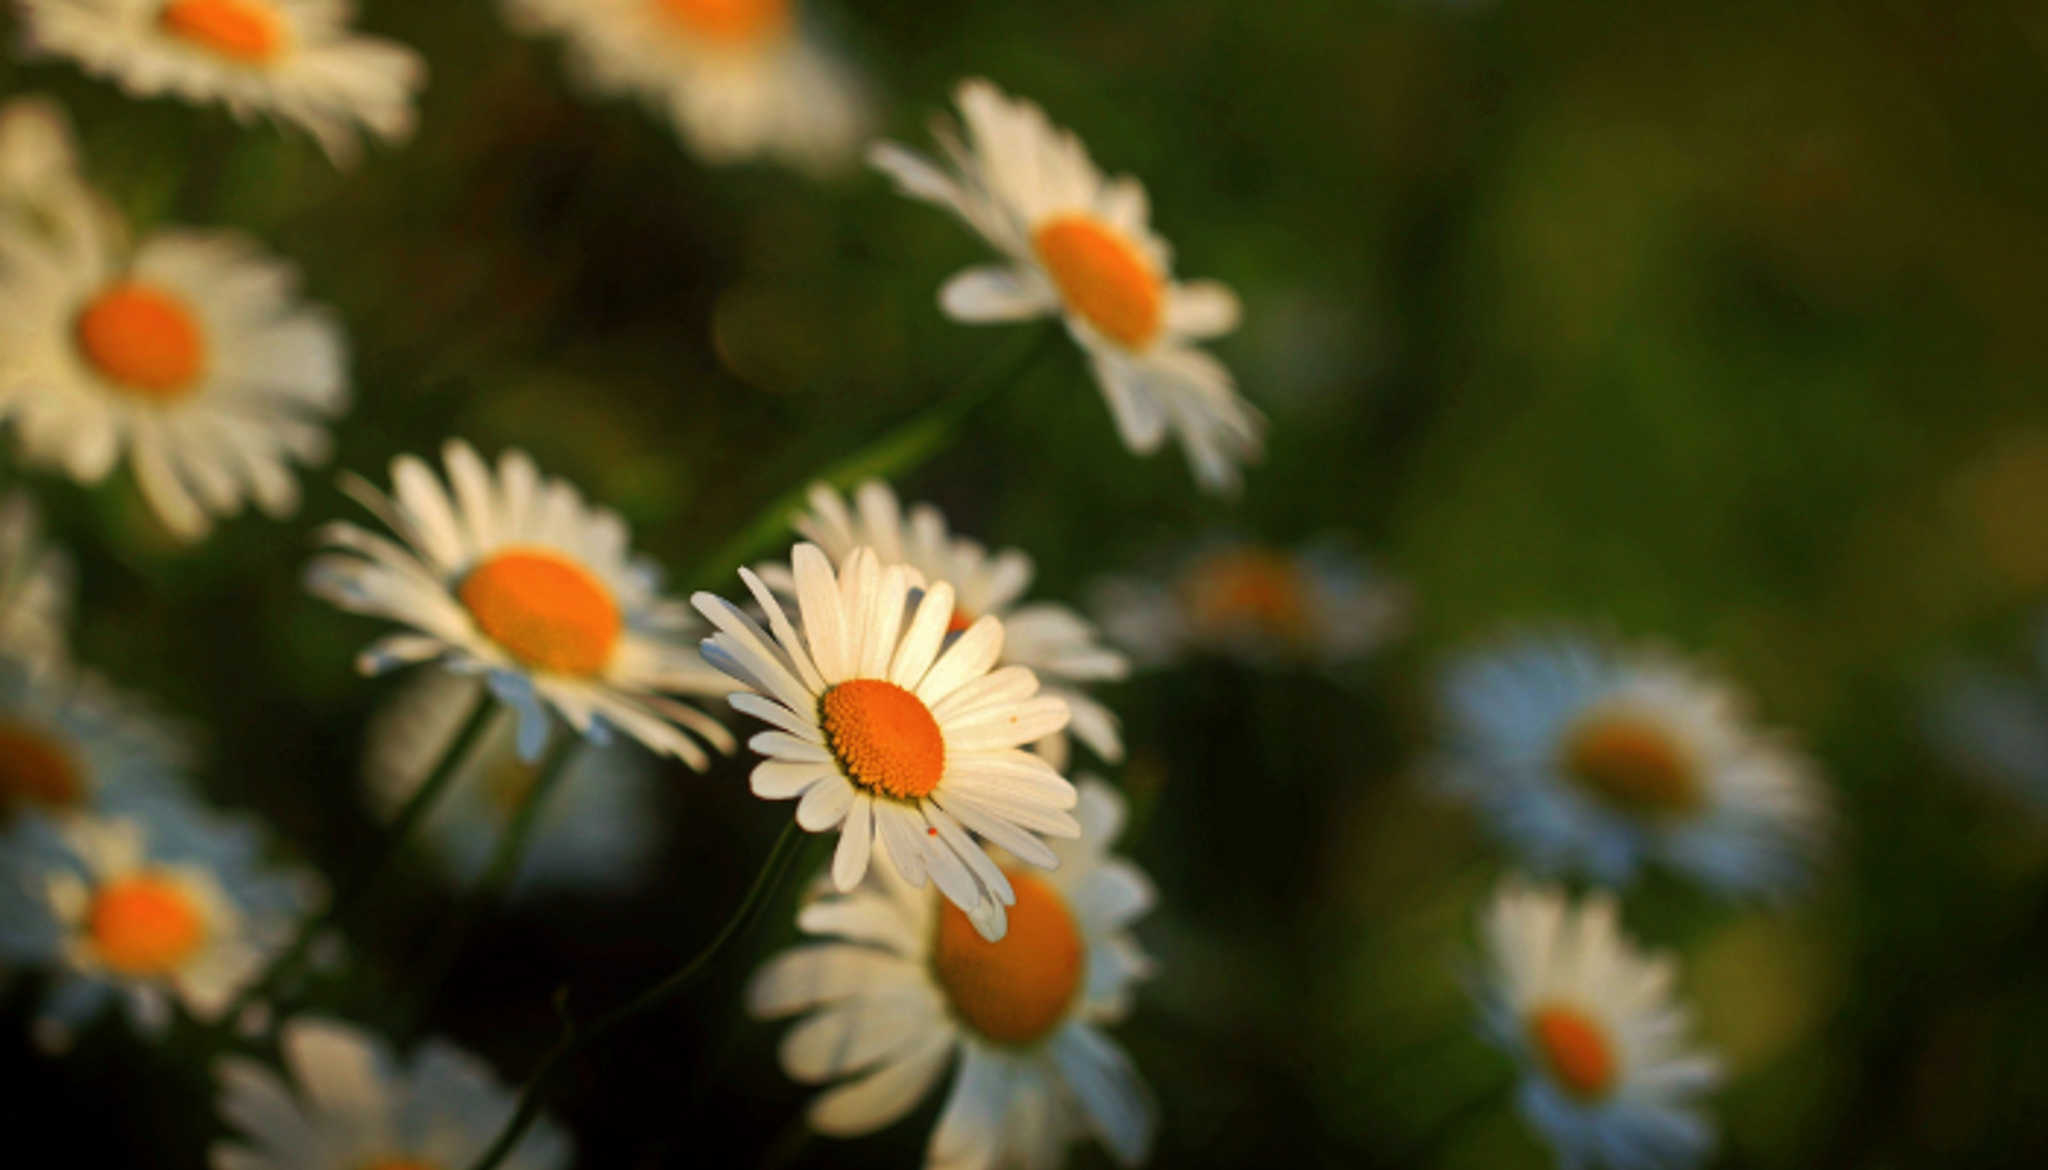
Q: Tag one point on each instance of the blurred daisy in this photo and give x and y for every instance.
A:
(1081, 246)
(1606, 1074)
(880, 735)
(35, 589)
(740, 79)
(1060, 646)
(1257, 604)
(191, 356)
(1591, 758)
(901, 984)
(347, 1102)
(514, 577)
(177, 909)
(71, 745)
(597, 832)
(42, 188)
(296, 60)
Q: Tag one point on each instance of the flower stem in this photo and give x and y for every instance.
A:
(574, 1040)
(394, 837)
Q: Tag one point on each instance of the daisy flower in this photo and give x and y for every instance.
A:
(598, 831)
(1080, 246)
(190, 355)
(347, 1102)
(35, 588)
(880, 734)
(42, 188)
(900, 985)
(1257, 604)
(70, 745)
(1607, 1076)
(1588, 757)
(740, 79)
(298, 61)
(1060, 646)
(174, 909)
(515, 578)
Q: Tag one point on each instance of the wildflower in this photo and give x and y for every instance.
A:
(35, 588)
(72, 745)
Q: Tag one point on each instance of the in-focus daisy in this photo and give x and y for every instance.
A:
(70, 745)
(175, 909)
(347, 1102)
(1263, 605)
(901, 984)
(1080, 246)
(1589, 757)
(1060, 646)
(514, 577)
(190, 355)
(598, 831)
(886, 731)
(298, 61)
(1608, 1077)
(740, 79)
(35, 588)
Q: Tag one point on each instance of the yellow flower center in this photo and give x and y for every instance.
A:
(1103, 278)
(1018, 990)
(145, 925)
(144, 340)
(245, 31)
(884, 737)
(1252, 588)
(1575, 1050)
(36, 771)
(1632, 762)
(547, 612)
(731, 22)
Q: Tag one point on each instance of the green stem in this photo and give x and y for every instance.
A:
(394, 838)
(900, 451)
(573, 1040)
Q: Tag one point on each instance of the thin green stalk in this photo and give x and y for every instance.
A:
(387, 848)
(574, 1040)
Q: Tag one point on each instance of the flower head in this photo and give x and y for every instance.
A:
(70, 745)
(35, 589)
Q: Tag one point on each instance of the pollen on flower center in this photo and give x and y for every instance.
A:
(731, 22)
(144, 925)
(547, 612)
(1250, 588)
(885, 738)
(1632, 762)
(144, 340)
(1575, 1050)
(1018, 990)
(247, 31)
(1102, 278)
(36, 771)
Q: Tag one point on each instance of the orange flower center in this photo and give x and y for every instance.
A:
(884, 737)
(1250, 588)
(1103, 278)
(36, 771)
(547, 612)
(247, 31)
(731, 22)
(960, 622)
(145, 925)
(1632, 762)
(144, 340)
(1575, 1050)
(1018, 990)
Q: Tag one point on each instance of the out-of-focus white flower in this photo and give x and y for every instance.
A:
(35, 589)
(70, 745)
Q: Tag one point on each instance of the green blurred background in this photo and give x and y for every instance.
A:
(1721, 322)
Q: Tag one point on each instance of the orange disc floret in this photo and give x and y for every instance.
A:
(960, 622)
(1250, 588)
(1575, 1050)
(733, 22)
(1103, 278)
(1015, 991)
(142, 339)
(885, 739)
(145, 925)
(36, 771)
(1632, 762)
(247, 31)
(547, 612)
